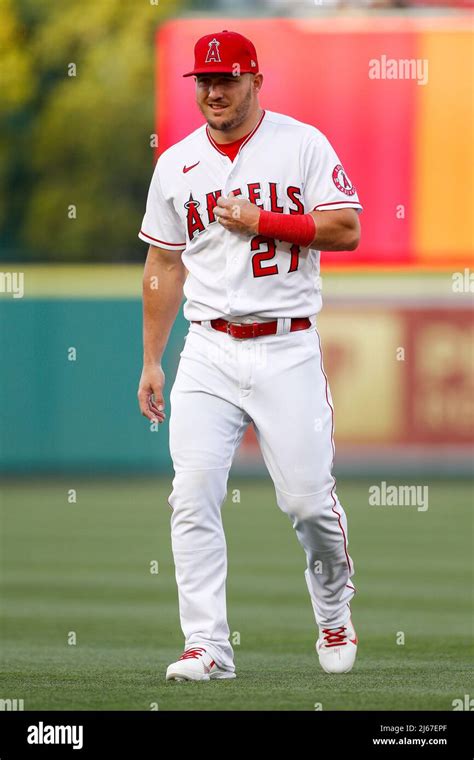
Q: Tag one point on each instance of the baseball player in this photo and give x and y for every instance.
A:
(236, 216)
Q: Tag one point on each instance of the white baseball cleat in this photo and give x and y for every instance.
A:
(196, 664)
(337, 648)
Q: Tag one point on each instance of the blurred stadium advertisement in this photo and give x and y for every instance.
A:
(402, 382)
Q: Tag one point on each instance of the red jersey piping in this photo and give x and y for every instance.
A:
(175, 245)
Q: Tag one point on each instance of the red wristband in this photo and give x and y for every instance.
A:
(292, 228)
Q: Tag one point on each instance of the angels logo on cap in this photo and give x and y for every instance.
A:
(213, 52)
(224, 53)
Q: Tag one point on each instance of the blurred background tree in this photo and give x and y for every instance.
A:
(80, 140)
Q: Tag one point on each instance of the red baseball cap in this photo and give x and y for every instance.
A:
(224, 53)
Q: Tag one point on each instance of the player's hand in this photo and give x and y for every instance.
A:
(237, 214)
(150, 393)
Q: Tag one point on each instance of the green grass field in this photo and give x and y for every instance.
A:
(85, 568)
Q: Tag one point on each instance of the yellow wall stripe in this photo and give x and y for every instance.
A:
(444, 143)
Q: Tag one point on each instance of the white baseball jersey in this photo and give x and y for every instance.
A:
(284, 166)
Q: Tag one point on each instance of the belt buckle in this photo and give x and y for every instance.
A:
(253, 326)
(228, 330)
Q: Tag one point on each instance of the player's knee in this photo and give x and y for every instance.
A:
(197, 493)
(304, 507)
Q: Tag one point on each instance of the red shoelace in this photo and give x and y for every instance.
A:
(335, 637)
(192, 653)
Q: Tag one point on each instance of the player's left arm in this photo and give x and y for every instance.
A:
(336, 230)
(332, 230)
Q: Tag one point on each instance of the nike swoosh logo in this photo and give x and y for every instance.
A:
(187, 169)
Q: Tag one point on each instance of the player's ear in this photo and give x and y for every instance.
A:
(257, 82)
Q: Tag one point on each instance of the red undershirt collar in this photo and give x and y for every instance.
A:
(231, 149)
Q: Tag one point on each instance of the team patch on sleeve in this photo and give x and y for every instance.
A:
(342, 181)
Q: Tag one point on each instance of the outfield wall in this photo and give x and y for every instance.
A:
(397, 350)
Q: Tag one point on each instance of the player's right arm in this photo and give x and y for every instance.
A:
(163, 279)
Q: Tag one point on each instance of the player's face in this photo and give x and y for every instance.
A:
(225, 100)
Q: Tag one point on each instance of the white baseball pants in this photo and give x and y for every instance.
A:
(222, 385)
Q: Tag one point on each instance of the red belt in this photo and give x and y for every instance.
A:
(254, 329)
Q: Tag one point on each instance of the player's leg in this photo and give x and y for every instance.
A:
(292, 411)
(205, 430)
